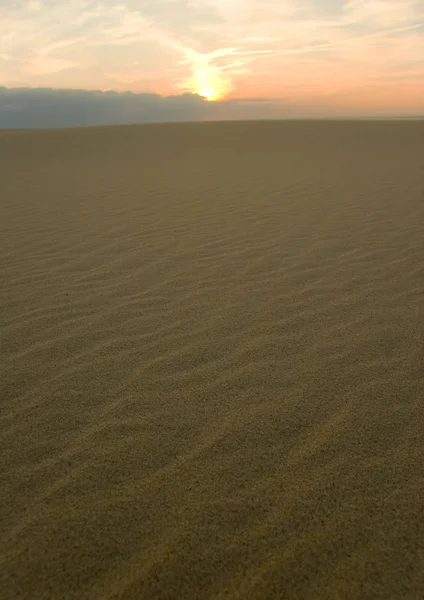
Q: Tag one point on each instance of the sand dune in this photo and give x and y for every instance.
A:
(212, 362)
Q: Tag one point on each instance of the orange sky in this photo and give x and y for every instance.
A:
(363, 56)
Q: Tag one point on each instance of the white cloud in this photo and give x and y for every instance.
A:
(46, 66)
(383, 13)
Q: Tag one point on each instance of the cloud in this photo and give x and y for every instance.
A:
(47, 107)
(40, 65)
(44, 107)
(383, 13)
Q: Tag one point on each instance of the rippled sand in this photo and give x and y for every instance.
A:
(212, 362)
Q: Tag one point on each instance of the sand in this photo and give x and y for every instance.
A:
(212, 362)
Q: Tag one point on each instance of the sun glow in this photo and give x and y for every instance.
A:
(207, 80)
(209, 84)
(209, 93)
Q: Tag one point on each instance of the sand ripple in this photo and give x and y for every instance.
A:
(212, 362)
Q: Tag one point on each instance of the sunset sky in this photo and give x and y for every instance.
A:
(357, 57)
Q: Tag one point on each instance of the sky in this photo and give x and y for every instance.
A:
(178, 59)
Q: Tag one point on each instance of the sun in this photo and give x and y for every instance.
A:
(210, 84)
(210, 81)
(209, 93)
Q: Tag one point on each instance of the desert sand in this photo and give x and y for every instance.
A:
(212, 362)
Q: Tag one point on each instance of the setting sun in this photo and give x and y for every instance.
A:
(206, 80)
(209, 93)
(208, 84)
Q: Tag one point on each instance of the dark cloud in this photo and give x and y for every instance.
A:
(46, 107)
